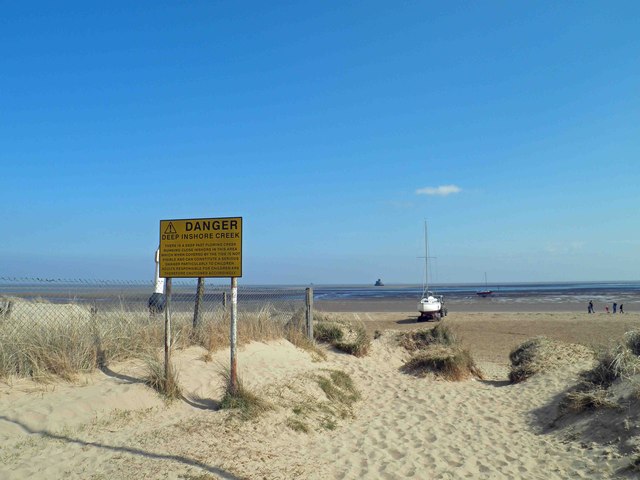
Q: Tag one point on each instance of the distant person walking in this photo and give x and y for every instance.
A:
(621, 311)
(606, 308)
(614, 307)
(590, 307)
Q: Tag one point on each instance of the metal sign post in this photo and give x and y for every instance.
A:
(233, 373)
(202, 248)
(167, 333)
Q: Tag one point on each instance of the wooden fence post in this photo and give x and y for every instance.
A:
(308, 301)
(196, 311)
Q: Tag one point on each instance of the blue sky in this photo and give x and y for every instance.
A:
(320, 123)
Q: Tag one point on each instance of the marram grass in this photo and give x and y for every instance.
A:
(42, 341)
(348, 337)
(245, 403)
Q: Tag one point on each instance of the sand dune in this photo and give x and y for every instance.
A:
(109, 425)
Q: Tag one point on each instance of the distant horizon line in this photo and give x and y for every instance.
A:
(219, 280)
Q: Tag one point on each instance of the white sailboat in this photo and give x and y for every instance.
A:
(430, 305)
(486, 292)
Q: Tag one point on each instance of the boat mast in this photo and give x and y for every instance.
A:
(426, 260)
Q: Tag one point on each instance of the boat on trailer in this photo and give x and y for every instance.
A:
(430, 306)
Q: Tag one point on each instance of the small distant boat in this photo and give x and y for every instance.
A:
(379, 283)
(486, 292)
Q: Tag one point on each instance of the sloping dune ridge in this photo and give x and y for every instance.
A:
(110, 425)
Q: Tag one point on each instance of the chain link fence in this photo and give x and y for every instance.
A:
(73, 320)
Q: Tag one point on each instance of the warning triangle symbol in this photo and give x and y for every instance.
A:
(170, 229)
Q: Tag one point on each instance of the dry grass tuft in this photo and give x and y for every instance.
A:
(43, 353)
(348, 337)
(611, 365)
(262, 325)
(357, 341)
(43, 340)
(632, 341)
(581, 401)
(168, 386)
(634, 466)
(247, 404)
(438, 351)
(206, 357)
(300, 340)
(617, 364)
(441, 334)
(445, 361)
(328, 332)
(297, 425)
(339, 387)
(319, 400)
(540, 354)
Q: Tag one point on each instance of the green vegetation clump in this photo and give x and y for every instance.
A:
(297, 425)
(327, 332)
(617, 364)
(540, 354)
(331, 400)
(438, 351)
(166, 385)
(247, 404)
(525, 359)
(339, 387)
(590, 399)
(358, 343)
(632, 341)
(610, 366)
(441, 334)
(445, 361)
(348, 337)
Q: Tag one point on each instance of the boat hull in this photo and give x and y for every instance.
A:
(429, 306)
(485, 293)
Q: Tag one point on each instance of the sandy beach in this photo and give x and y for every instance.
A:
(109, 425)
(320, 241)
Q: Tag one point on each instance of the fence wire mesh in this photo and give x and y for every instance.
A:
(85, 321)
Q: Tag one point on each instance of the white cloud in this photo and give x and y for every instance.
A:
(442, 190)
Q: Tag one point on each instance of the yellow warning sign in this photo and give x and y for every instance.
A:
(201, 247)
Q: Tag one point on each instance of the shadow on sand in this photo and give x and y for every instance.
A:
(409, 321)
(119, 376)
(201, 403)
(548, 419)
(122, 449)
(496, 383)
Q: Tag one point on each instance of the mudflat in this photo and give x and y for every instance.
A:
(492, 335)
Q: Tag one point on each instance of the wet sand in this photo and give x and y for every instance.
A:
(516, 304)
(492, 335)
